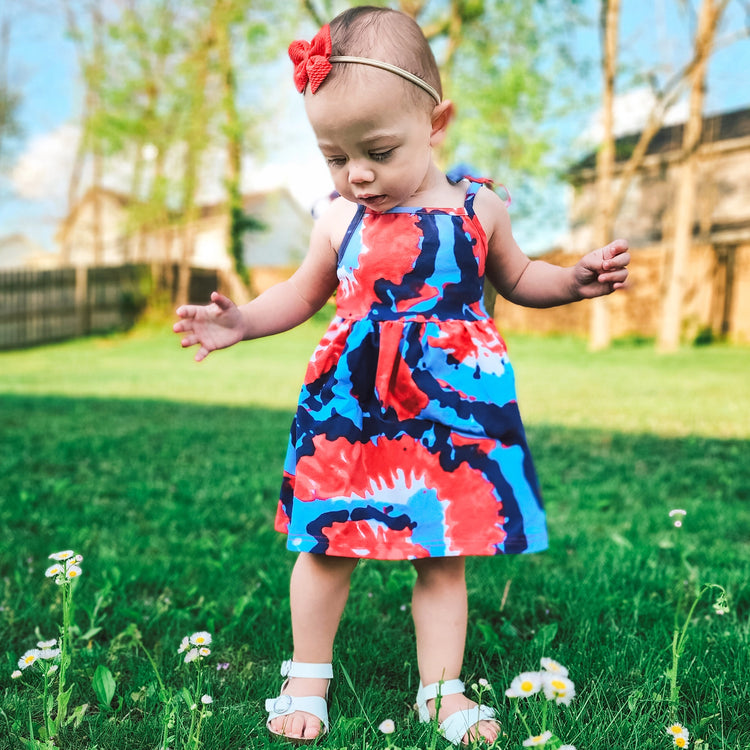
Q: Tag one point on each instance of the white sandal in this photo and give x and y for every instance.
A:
(284, 704)
(457, 724)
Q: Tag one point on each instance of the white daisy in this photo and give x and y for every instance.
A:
(72, 571)
(184, 646)
(567, 747)
(201, 638)
(206, 700)
(204, 651)
(47, 644)
(54, 570)
(550, 665)
(680, 735)
(557, 688)
(64, 555)
(191, 655)
(527, 683)
(540, 739)
(49, 653)
(15, 674)
(28, 658)
(677, 730)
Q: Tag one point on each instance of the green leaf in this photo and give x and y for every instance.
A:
(187, 697)
(63, 699)
(546, 634)
(104, 685)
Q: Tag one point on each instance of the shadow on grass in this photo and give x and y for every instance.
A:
(172, 506)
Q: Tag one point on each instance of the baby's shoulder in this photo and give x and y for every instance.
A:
(491, 210)
(336, 219)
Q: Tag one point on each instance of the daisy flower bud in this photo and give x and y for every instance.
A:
(206, 700)
(387, 727)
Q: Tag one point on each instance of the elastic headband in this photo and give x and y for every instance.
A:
(392, 69)
(312, 64)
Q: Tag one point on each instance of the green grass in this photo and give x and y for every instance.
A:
(164, 475)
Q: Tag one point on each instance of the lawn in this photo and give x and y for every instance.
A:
(164, 475)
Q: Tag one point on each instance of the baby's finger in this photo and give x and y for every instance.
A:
(616, 262)
(191, 340)
(221, 301)
(615, 248)
(186, 311)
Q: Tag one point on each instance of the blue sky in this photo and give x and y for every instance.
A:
(43, 67)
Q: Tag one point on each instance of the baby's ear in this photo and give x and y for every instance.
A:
(441, 119)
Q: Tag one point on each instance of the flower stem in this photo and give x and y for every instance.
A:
(678, 646)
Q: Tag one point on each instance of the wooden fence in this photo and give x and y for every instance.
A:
(37, 307)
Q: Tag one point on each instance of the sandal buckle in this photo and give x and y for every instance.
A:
(282, 704)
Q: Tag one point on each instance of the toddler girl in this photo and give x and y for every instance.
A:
(407, 443)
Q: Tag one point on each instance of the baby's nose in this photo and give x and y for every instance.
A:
(359, 173)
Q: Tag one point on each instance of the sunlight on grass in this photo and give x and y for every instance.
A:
(630, 388)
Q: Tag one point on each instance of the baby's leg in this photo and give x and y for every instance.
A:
(440, 612)
(318, 592)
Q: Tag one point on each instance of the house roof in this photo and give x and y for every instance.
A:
(723, 127)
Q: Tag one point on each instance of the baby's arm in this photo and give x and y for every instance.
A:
(285, 305)
(536, 283)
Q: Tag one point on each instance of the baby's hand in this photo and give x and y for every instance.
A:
(603, 270)
(214, 326)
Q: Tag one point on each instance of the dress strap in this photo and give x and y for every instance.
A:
(474, 184)
(353, 224)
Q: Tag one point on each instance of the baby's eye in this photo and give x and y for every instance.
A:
(382, 155)
(335, 162)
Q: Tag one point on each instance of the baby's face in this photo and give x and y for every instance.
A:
(376, 141)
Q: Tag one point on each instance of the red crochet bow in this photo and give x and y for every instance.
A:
(311, 60)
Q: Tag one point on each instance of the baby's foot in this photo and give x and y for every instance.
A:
(300, 725)
(487, 731)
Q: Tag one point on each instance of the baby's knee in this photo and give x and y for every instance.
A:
(440, 570)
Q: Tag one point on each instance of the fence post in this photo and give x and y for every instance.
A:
(83, 318)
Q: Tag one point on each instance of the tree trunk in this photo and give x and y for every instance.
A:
(599, 331)
(234, 131)
(671, 321)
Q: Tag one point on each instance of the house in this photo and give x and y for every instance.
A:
(106, 228)
(717, 296)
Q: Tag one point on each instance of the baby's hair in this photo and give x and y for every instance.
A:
(386, 35)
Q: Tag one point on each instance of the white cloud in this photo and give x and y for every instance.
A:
(42, 172)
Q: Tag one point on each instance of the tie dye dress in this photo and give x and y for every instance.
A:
(407, 441)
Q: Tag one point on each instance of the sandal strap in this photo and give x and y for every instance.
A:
(431, 691)
(290, 668)
(459, 723)
(288, 704)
